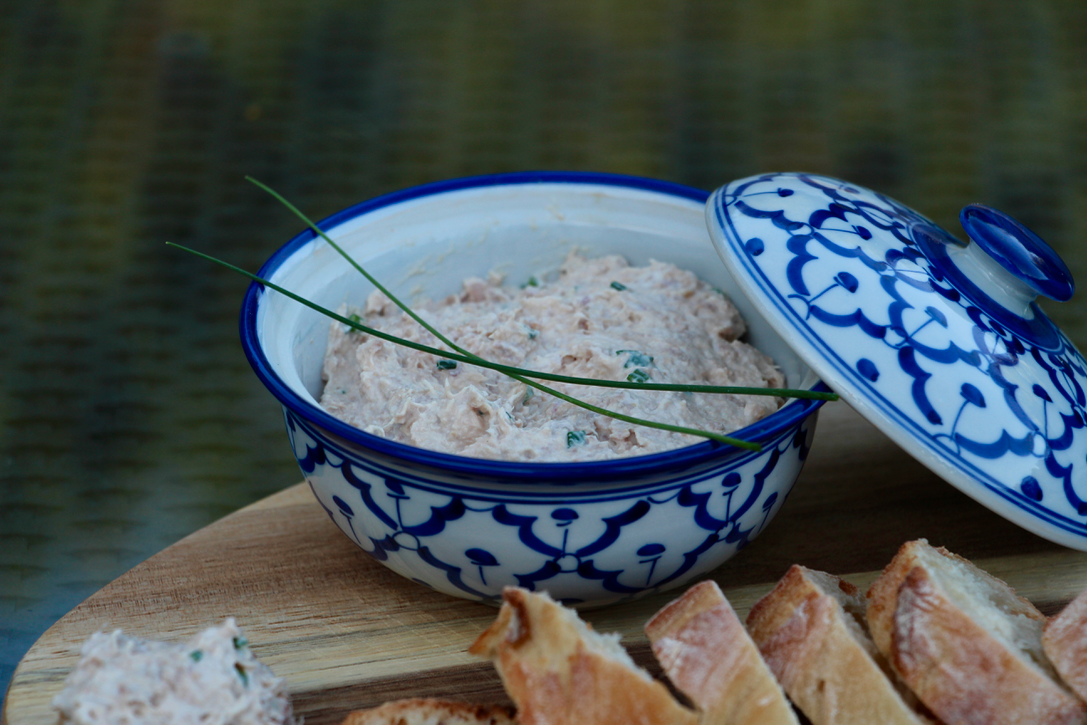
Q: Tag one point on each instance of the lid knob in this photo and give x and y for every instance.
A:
(1019, 251)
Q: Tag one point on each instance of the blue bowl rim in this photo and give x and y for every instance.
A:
(610, 469)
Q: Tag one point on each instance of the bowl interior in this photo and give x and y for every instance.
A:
(425, 246)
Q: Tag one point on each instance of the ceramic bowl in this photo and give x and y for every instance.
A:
(589, 533)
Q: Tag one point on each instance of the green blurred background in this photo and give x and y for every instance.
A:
(128, 414)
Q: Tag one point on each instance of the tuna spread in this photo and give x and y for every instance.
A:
(601, 318)
(213, 679)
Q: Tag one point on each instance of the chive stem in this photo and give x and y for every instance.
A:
(475, 360)
(407, 310)
(510, 370)
(355, 323)
(517, 374)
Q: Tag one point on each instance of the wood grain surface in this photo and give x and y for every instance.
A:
(347, 633)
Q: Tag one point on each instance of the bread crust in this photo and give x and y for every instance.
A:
(557, 674)
(883, 592)
(427, 711)
(961, 672)
(938, 642)
(1065, 641)
(706, 652)
(821, 655)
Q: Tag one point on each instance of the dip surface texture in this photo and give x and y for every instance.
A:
(213, 679)
(601, 318)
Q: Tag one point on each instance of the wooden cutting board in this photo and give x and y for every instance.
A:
(346, 633)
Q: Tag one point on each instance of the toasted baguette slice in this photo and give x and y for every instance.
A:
(1065, 642)
(965, 643)
(432, 712)
(708, 655)
(558, 671)
(810, 630)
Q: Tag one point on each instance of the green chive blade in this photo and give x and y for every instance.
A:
(638, 378)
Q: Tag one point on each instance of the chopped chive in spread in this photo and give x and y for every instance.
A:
(240, 642)
(618, 286)
(196, 655)
(533, 334)
(447, 364)
(532, 282)
(575, 438)
(356, 319)
(636, 358)
(638, 376)
(529, 393)
(241, 673)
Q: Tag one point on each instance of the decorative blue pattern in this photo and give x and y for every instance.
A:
(990, 396)
(603, 545)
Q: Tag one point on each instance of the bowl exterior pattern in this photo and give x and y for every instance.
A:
(578, 545)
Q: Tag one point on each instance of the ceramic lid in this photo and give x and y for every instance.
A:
(936, 341)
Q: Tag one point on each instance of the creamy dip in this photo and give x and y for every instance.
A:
(213, 679)
(601, 318)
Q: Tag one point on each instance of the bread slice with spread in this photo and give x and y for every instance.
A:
(707, 654)
(965, 643)
(810, 630)
(558, 671)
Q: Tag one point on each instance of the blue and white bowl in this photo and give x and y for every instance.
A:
(589, 533)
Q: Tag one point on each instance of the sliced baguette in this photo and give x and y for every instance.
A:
(559, 672)
(965, 643)
(705, 651)
(1065, 642)
(432, 712)
(810, 630)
